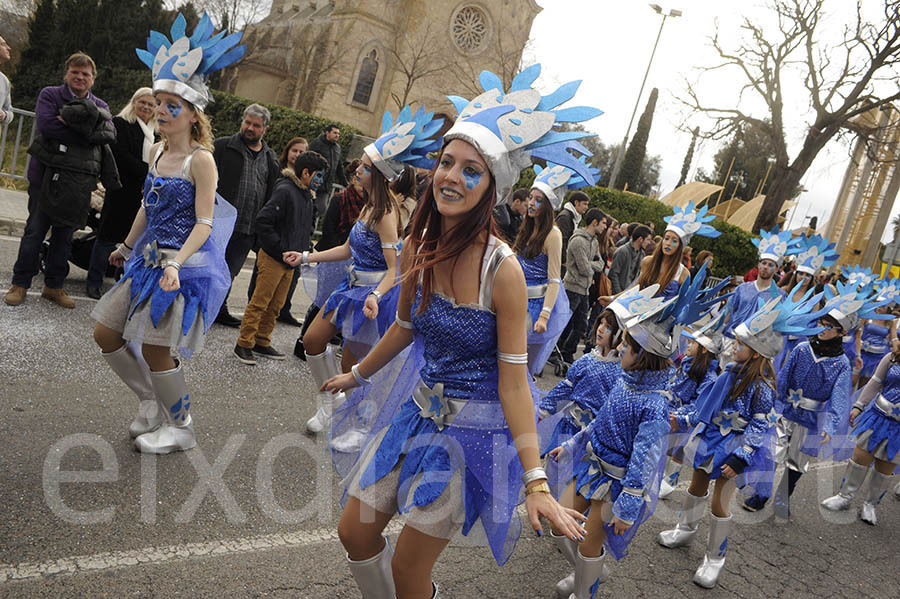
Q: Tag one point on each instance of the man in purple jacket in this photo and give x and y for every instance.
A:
(79, 78)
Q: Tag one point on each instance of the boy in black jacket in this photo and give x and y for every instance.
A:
(282, 225)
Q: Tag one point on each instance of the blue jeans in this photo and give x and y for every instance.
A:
(99, 262)
(28, 262)
(574, 331)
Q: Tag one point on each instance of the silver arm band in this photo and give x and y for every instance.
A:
(304, 258)
(124, 250)
(204, 221)
(404, 324)
(512, 358)
(389, 246)
(633, 491)
(557, 281)
(173, 263)
(360, 379)
(378, 295)
(533, 475)
(546, 311)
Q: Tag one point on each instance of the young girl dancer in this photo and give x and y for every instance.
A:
(365, 301)
(175, 273)
(538, 247)
(618, 477)
(463, 299)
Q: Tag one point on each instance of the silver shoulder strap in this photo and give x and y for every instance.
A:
(494, 258)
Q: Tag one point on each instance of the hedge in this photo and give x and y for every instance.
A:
(227, 111)
(733, 250)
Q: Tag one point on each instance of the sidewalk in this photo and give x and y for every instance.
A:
(13, 212)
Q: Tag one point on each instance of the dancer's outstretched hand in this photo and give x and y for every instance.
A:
(565, 520)
(169, 280)
(620, 526)
(341, 382)
(370, 307)
(116, 258)
(853, 414)
(541, 325)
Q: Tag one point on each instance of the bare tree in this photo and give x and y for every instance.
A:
(415, 57)
(506, 51)
(843, 81)
(236, 14)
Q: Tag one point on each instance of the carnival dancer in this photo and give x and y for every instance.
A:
(734, 437)
(874, 339)
(813, 397)
(464, 301)
(697, 371)
(175, 276)
(876, 430)
(815, 253)
(773, 247)
(364, 303)
(538, 247)
(618, 477)
(863, 280)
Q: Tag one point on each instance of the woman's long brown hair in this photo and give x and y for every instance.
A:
(427, 246)
(662, 268)
(647, 360)
(534, 230)
(757, 368)
(701, 364)
(380, 201)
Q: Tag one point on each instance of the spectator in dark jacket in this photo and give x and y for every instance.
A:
(626, 262)
(569, 218)
(509, 216)
(79, 78)
(327, 145)
(248, 170)
(135, 133)
(283, 225)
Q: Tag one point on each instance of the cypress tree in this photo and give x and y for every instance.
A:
(686, 165)
(637, 149)
(34, 69)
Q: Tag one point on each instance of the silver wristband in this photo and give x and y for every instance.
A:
(123, 249)
(204, 221)
(304, 258)
(378, 295)
(534, 474)
(360, 379)
(173, 263)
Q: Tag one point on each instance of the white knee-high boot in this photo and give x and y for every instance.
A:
(707, 575)
(323, 367)
(590, 573)
(373, 576)
(670, 478)
(177, 431)
(854, 476)
(135, 374)
(692, 511)
(569, 549)
(878, 486)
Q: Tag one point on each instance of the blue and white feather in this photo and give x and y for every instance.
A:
(774, 245)
(555, 180)
(764, 331)
(183, 64)
(509, 128)
(858, 277)
(815, 253)
(687, 222)
(408, 140)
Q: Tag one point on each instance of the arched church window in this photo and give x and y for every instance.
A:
(469, 29)
(366, 79)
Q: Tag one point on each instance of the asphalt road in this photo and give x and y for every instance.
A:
(252, 511)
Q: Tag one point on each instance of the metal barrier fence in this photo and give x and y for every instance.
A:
(20, 156)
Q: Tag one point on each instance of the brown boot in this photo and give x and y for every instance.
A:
(15, 295)
(58, 297)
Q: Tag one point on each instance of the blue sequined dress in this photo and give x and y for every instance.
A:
(444, 422)
(739, 430)
(540, 345)
(348, 298)
(624, 452)
(671, 289)
(814, 392)
(684, 392)
(877, 429)
(177, 318)
(874, 345)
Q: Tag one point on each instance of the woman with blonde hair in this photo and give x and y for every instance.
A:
(175, 276)
(135, 133)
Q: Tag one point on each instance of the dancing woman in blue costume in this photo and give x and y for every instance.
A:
(538, 247)
(463, 307)
(175, 273)
(618, 457)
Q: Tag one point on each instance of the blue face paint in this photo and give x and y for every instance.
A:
(316, 181)
(173, 109)
(472, 178)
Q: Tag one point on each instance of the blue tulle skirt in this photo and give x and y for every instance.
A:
(707, 443)
(873, 428)
(347, 303)
(540, 345)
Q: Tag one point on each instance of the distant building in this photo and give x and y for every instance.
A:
(350, 60)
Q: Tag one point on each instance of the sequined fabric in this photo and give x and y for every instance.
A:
(365, 248)
(745, 302)
(825, 380)
(540, 345)
(873, 430)
(169, 206)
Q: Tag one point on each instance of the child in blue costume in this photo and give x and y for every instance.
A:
(463, 308)
(175, 276)
(623, 447)
(570, 406)
(734, 437)
(876, 424)
(538, 247)
(874, 342)
(862, 280)
(365, 301)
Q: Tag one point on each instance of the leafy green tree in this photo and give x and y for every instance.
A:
(637, 149)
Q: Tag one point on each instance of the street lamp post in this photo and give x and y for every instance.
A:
(672, 12)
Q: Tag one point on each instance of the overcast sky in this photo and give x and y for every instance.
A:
(607, 44)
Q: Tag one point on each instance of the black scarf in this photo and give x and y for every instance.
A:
(827, 349)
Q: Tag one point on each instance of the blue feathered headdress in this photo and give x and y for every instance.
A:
(509, 128)
(181, 66)
(858, 277)
(764, 331)
(774, 245)
(408, 140)
(815, 253)
(686, 222)
(555, 180)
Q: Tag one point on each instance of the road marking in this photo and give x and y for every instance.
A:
(159, 555)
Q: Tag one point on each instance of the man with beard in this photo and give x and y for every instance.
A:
(248, 170)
